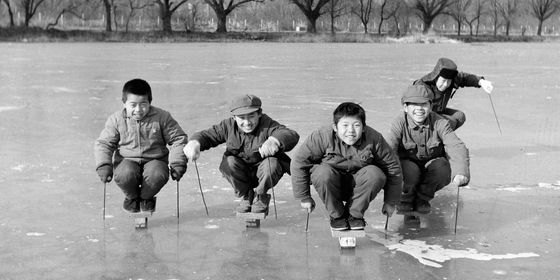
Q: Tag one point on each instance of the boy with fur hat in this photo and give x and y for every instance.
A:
(430, 153)
(348, 163)
(255, 159)
(443, 81)
(133, 145)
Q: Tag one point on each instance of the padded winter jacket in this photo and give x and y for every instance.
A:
(324, 146)
(441, 98)
(246, 145)
(141, 140)
(433, 139)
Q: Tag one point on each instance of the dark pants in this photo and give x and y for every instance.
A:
(456, 118)
(243, 177)
(356, 189)
(144, 179)
(422, 180)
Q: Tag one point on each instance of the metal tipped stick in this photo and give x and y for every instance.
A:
(307, 221)
(272, 187)
(104, 195)
(457, 209)
(200, 187)
(495, 115)
(386, 224)
(177, 200)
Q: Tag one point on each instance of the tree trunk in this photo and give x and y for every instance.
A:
(222, 22)
(108, 16)
(10, 13)
(311, 27)
(539, 29)
(427, 25)
(166, 20)
(380, 24)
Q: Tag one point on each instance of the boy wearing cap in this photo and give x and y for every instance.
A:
(443, 81)
(430, 153)
(348, 163)
(133, 144)
(255, 159)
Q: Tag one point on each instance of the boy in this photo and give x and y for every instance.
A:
(133, 145)
(348, 162)
(444, 81)
(430, 152)
(255, 159)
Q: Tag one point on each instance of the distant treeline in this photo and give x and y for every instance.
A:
(393, 17)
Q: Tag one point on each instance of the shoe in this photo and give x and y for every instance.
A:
(423, 206)
(148, 205)
(131, 205)
(356, 223)
(261, 205)
(246, 201)
(339, 224)
(404, 207)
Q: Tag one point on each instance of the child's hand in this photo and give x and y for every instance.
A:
(486, 85)
(270, 147)
(460, 180)
(105, 173)
(177, 171)
(192, 150)
(308, 203)
(388, 209)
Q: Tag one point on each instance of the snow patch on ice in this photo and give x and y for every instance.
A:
(530, 154)
(36, 234)
(18, 167)
(555, 187)
(513, 189)
(9, 108)
(433, 255)
(211, 226)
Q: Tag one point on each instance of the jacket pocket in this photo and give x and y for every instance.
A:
(410, 147)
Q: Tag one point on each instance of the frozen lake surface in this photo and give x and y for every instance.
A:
(56, 98)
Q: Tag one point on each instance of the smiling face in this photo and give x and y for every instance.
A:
(248, 122)
(442, 83)
(349, 129)
(137, 106)
(418, 112)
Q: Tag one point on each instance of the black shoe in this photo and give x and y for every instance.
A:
(423, 206)
(405, 207)
(339, 224)
(246, 201)
(261, 205)
(131, 205)
(148, 205)
(356, 223)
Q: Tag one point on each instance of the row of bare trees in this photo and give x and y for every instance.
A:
(399, 13)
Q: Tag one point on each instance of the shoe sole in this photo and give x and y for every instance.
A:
(340, 229)
(357, 228)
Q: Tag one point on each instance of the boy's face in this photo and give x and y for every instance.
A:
(418, 112)
(248, 122)
(349, 129)
(442, 83)
(137, 106)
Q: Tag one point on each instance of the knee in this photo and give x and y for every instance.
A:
(439, 169)
(322, 174)
(157, 175)
(271, 166)
(411, 172)
(233, 163)
(371, 175)
(127, 172)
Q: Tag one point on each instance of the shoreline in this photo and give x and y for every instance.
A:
(38, 35)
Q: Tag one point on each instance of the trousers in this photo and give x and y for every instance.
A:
(243, 177)
(456, 118)
(141, 179)
(347, 193)
(423, 179)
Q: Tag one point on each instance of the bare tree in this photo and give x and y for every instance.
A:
(335, 9)
(543, 10)
(223, 8)
(474, 15)
(133, 6)
(10, 12)
(388, 9)
(312, 10)
(68, 7)
(428, 10)
(363, 10)
(166, 10)
(29, 8)
(495, 15)
(108, 6)
(458, 11)
(508, 10)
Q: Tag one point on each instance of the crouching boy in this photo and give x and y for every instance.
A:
(430, 152)
(133, 146)
(348, 163)
(255, 159)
